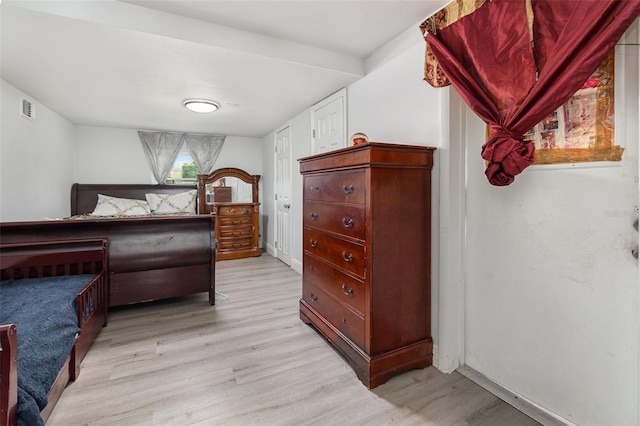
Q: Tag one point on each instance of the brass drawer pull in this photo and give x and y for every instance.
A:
(348, 292)
(344, 320)
(347, 189)
(348, 223)
(314, 243)
(313, 297)
(348, 259)
(314, 216)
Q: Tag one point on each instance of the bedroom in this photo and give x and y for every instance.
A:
(556, 382)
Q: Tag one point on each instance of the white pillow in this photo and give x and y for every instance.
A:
(184, 202)
(112, 206)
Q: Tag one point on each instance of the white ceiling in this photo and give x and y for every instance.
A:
(130, 64)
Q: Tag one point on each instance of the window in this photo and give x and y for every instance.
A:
(184, 170)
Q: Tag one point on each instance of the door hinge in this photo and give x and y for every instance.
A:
(313, 133)
(275, 197)
(275, 148)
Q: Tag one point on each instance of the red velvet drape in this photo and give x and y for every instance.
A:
(489, 59)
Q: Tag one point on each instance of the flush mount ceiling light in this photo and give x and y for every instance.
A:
(200, 105)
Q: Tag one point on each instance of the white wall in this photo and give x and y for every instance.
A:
(112, 155)
(300, 147)
(36, 165)
(243, 153)
(551, 287)
(394, 104)
(267, 230)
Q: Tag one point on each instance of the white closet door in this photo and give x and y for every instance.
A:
(283, 194)
(329, 123)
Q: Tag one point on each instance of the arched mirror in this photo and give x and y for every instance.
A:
(228, 185)
(231, 195)
(229, 189)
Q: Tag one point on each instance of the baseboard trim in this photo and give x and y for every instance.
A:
(271, 250)
(296, 265)
(436, 359)
(514, 399)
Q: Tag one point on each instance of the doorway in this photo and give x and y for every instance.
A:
(283, 194)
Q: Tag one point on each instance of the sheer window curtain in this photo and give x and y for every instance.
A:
(161, 150)
(204, 150)
(512, 83)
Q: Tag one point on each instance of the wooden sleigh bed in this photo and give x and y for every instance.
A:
(54, 303)
(150, 258)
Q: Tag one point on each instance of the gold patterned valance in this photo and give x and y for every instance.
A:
(443, 18)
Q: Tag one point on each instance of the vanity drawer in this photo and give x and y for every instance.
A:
(344, 254)
(236, 231)
(344, 187)
(234, 243)
(341, 219)
(233, 220)
(346, 289)
(342, 318)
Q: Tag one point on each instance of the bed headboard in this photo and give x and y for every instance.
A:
(84, 197)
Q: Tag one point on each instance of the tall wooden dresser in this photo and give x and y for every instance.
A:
(366, 266)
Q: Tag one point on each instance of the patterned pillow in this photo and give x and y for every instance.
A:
(184, 202)
(112, 206)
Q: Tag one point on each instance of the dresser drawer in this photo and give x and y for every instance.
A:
(234, 243)
(344, 254)
(341, 219)
(345, 187)
(342, 318)
(346, 289)
(233, 220)
(236, 231)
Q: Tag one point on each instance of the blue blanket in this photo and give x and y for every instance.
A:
(44, 313)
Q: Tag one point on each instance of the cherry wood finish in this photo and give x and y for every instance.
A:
(8, 374)
(150, 258)
(237, 224)
(366, 265)
(53, 258)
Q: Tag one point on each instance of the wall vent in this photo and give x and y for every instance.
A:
(28, 109)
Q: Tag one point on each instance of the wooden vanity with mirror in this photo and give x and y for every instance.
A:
(231, 195)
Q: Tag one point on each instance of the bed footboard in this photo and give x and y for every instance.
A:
(150, 258)
(52, 259)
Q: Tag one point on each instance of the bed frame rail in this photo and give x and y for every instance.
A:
(90, 298)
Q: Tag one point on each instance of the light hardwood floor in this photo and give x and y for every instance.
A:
(249, 360)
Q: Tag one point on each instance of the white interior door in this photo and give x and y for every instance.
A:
(329, 118)
(283, 195)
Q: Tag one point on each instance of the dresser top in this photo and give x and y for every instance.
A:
(371, 154)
